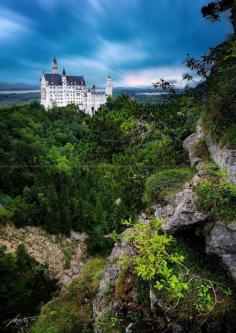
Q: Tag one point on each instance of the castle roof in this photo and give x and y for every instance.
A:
(56, 80)
(53, 79)
(75, 80)
(54, 60)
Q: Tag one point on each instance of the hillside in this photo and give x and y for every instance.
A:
(6, 86)
(124, 221)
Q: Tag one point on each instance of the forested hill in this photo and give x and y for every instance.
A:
(174, 268)
(64, 170)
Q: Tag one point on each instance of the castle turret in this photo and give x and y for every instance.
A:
(109, 86)
(63, 77)
(54, 65)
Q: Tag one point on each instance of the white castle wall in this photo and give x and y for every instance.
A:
(87, 100)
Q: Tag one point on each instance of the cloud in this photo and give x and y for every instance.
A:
(12, 25)
(145, 77)
(116, 52)
(48, 5)
(75, 63)
(97, 5)
(108, 58)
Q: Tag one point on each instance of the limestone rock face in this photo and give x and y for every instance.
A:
(112, 271)
(183, 214)
(48, 249)
(129, 299)
(189, 145)
(224, 158)
(221, 240)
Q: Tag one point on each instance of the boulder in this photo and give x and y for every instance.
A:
(189, 145)
(183, 214)
(224, 158)
(221, 240)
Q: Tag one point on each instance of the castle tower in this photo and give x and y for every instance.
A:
(109, 86)
(54, 65)
(63, 76)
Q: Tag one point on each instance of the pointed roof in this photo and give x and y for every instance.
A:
(64, 72)
(54, 60)
(56, 80)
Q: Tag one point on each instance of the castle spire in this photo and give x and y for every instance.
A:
(64, 72)
(54, 65)
(109, 86)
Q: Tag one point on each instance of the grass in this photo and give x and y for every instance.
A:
(216, 195)
(72, 310)
(164, 184)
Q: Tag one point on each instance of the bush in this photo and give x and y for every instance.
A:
(72, 309)
(164, 184)
(57, 317)
(183, 286)
(218, 197)
(107, 322)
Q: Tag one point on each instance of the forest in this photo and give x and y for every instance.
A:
(62, 170)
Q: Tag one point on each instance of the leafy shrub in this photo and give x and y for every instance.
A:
(182, 285)
(218, 197)
(5, 212)
(72, 310)
(107, 322)
(166, 183)
(57, 316)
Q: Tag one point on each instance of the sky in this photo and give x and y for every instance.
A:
(137, 42)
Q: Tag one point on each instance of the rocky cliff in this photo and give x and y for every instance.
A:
(119, 293)
(64, 256)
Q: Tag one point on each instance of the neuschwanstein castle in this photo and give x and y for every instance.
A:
(62, 89)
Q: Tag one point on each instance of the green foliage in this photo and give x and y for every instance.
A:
(61, 317)
(64, 170)
(163, 263)
(5, 214)
(166, 183)
(72, 310)
(24, 285)
(201, 150)
(217, 196)
(218, 100)
(107, 322)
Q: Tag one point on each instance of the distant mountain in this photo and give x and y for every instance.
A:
(5, 86)
(132, 91)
